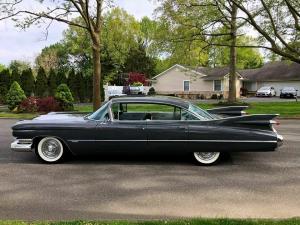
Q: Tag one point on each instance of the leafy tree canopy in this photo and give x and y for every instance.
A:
(2, 67)
(19, 65)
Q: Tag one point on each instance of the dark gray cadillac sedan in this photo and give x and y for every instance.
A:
(148, 124)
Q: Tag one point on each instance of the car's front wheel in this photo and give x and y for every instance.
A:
(207, 158)
(50, 150)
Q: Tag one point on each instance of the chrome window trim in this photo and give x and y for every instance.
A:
(174, 105)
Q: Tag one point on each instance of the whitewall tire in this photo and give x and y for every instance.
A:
(50, 150)
(207, 158)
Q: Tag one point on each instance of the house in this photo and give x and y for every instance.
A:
(275, 74)
(204, 82)
(201, 82)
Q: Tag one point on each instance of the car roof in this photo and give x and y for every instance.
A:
(164, 100)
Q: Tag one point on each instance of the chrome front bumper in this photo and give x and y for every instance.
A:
(21, 145)
(279, 140)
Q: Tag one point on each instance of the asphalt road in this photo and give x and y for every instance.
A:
(151, 187)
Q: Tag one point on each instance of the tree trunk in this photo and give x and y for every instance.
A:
(96, 76)
(232, 65)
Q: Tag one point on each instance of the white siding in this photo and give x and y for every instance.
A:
(172, 81)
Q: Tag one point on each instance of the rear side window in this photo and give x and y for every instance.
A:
(144, 111)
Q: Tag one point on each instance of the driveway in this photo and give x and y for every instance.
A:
(151, 187)
(250, 100)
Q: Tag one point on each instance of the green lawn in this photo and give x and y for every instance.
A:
(285, 109)
(293, 221)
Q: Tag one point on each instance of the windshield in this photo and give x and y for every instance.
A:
(202, 113)
(101, 114)
(264, 89)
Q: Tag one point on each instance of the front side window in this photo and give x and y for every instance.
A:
(101, 114)
(186, 85)
(204, 115)
(217, 85)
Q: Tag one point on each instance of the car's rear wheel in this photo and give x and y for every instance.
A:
(50, 150)
(207, 158)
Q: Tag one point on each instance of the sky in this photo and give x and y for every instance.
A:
(26, 45)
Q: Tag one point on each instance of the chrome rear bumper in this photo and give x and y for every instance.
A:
(21, 145)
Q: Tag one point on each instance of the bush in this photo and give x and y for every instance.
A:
(34, 104)
(29, 105)
(48, 104)
(151, 91)
(137, 84)
(15, 96)
(214, 96)
(64, 96)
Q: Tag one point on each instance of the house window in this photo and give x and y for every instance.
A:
(217, 85)
(186, 85)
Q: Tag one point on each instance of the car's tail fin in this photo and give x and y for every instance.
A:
(259, 121)
(229, 110)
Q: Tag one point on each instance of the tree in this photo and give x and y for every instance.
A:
(15, 75)
(138, 61)
(73, 84)
(52, 84)
(14, 96)
(89, 11)
(61, 77)
(248, 58)
(41, 84)
(120, 33)
(2, 67)
(207, 21)
(4, 84)
(18, 65)
(81, 87)
(53, 57)
(27, 83)
(277, 23)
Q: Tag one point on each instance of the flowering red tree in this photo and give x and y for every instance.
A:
(134, 77)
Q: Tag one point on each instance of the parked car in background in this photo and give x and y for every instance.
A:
(266, 92)
(134, 90)
(115, 91)
(288, 92)
(148, 124)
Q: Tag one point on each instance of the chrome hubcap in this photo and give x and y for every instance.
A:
(206, 155)
(51, 149)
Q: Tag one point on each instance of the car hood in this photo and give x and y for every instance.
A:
(60, 117)
(288, 92)
(53, 119)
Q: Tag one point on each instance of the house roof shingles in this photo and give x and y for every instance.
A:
(272, 71)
